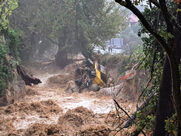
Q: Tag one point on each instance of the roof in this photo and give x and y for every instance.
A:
(133, 19)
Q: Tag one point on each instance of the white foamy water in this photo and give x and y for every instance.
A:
(26, 122)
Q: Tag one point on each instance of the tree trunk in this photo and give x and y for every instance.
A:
(176, 90)
(173, 84)
(28, 78)
(171, 53)
(165, 107)
(176, 82)
(61, 58)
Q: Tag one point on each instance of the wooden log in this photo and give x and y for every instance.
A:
(27, 78)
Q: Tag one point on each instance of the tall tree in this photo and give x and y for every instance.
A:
(74, 25)
(166, 40)
(155, 57)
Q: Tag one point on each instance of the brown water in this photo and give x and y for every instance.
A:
(47, 105)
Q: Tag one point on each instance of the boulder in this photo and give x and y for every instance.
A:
(16, 90)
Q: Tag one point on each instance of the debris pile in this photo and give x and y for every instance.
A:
(89, 75)
(60, 80)
(28, 78)
(42, 107)
(44, 130)
(95, 130)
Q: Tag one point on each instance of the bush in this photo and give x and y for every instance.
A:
(171, 125)
(9, 56)
(120, 61)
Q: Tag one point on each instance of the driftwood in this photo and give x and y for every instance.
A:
(28, 79)
(129, 122)
(133, 117)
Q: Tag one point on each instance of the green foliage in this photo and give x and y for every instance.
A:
(9, 57)
(145, 121)
(153, 56)
(152, 59)
(8, 45)
(6, 9)
(131, 39)
(3, 51)
(171, 125)
(166, 35)
(12, 39)
(5, 73)
(146, 117)
(178, 10)
(120, 61)
(74, 25)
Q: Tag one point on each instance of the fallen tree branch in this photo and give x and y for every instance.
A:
(133, 117)
(128, 116)
(28, 79)
(151, 73)
(121, 108)
(128, 4)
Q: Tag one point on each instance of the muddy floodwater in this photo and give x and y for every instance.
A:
(49, 110)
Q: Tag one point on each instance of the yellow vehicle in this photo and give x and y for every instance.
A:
(91, 73)
(100, 78)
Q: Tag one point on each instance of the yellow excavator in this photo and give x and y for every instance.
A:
(91, 73)
(100, 78)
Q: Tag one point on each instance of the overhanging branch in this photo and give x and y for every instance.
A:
(166, 15)
(172, 20)
(155, 2)
(145, 23)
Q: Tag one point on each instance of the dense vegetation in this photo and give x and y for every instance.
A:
(57, 28)
(162, 41)
(9, 40)
(73, 26)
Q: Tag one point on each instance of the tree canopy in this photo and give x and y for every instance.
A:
(74, 25)
(167, 38)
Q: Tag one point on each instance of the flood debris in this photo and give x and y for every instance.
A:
(6, 126)
(42, 107)
(95, 130)
(48, 110)
(76, 122)
(31, 91)
(125, 88)
(28, 78)
(77, 117)
(89, 75)
(44, 130)
(60, 80)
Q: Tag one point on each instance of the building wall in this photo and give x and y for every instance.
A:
(115, 42)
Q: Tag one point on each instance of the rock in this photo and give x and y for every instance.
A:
(94, 87)
(16, 90)
(71, 87)
(111, 91)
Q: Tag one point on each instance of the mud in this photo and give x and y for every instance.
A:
(77, 122)
(44, 130)
(6, 126)
(60, 80)
(49, 110)
(31, 91)
(42, 107)
(95, 130)
(77, 117)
